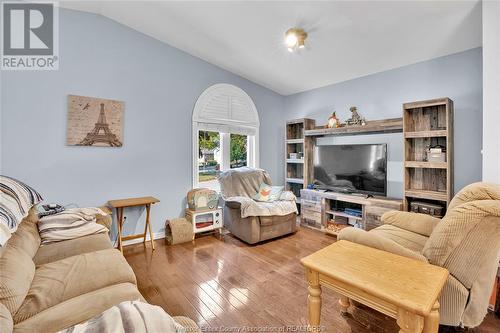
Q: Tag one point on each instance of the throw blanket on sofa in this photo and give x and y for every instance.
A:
(72, 223)
(249, 207)
(129, 317)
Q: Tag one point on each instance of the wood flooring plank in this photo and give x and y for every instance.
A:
(223, 283)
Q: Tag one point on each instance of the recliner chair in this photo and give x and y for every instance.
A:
(253, 221)
(466, 241)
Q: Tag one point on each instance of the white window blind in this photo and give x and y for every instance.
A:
(226, 109)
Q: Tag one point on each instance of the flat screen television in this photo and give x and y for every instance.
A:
(351, 168)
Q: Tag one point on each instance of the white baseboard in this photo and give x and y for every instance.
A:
(156, 235)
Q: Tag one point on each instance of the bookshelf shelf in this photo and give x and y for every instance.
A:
(294, 160)
(428, 124)
(298, 170)
(426, 134)
(291, 141)
(429, 165)
(295, 180)
(423, 194)
(336, 213)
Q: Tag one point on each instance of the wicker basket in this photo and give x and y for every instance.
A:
(178, 231)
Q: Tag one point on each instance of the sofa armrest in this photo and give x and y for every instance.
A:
(233, 204)
(422, 224)
(237, 202)
(105, 220)
(287, 196)
(375, 241)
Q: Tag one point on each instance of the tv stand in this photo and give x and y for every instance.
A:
(332, 211)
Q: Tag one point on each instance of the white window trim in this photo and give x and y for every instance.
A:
(227, 124)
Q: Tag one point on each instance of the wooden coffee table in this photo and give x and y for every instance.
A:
(402, 288)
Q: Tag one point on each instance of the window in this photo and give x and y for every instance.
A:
(225, 133)
(209, 158)
(238, 155)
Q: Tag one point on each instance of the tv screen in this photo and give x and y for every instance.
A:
(351, 168)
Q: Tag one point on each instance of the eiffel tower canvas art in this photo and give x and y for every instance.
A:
(94, 122)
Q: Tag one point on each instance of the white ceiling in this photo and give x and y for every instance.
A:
(347, 39)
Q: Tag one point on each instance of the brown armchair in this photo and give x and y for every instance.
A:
(253, 221)
(466, 242)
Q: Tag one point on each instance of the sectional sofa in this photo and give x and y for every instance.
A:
(51, 287)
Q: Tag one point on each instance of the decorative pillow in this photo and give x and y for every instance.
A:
(268, 193)
(16, 199)
(276, 193)
(264, 192)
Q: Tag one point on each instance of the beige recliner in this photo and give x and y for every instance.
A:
(253, 221)
(466, 242)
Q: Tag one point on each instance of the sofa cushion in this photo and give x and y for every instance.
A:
(16, 274)
(6, 322)
(26, 238)
(61, 280)
(377, 241)
(405, 238)
(72, 247)
(78, 309)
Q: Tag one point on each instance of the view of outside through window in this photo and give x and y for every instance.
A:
(238, 150)
(210, 155)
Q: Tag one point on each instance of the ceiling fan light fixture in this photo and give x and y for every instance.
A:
(295, 39)
(291, 40)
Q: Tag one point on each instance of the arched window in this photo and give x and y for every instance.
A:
(225, 133)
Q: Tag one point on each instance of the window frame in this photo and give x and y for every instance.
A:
(244, 123)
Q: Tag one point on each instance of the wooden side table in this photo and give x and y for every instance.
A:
(120, 204)
(400, 287)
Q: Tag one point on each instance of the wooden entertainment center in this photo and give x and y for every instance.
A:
(325, 210)
(425, 124)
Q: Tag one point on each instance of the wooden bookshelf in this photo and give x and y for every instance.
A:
(427, 124)
(298, 171)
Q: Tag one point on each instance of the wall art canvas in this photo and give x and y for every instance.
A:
(94, 122)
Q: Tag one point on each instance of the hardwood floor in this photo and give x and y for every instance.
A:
(225, 283)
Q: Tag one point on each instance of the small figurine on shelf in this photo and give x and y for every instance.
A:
(333, 121)
(355, 119)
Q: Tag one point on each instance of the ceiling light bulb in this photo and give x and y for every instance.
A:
(291, 40)
(295, 39)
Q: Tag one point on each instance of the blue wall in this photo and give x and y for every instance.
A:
(381, 95)
(159, 85)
